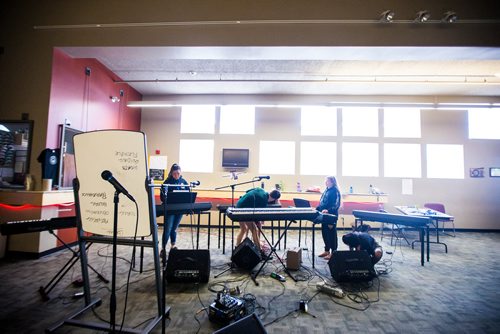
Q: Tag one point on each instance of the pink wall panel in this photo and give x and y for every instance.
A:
(85, 99)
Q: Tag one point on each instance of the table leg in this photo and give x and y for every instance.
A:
(209, 221)
(224, 236)
(218, 236)
(313, 243)
(198, 231)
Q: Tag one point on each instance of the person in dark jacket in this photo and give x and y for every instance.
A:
(330, 203)
(364, 241)
(172, 221)
(254, 198)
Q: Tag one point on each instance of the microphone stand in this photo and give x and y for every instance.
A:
(232, 186)
(163, 252)
(112, 304)
(164, 190)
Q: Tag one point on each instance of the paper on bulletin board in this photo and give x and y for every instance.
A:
(407, 185)
(157, 162)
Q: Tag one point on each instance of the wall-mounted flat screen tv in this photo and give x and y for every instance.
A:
(235, 157)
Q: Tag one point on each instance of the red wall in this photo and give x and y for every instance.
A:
(85, 100)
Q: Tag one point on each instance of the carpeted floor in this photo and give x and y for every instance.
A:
(456, 292)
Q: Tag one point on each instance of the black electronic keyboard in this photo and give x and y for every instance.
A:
(28, 226)
(183, 208)
(266, 214)
(392, 218)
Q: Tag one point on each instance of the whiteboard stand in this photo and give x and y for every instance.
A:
(143, 194)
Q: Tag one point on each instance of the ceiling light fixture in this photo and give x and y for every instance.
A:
(422, 16)
(449, 17)
(387, 16)
(114, 99)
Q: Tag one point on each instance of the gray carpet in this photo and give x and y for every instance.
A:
(457, 292)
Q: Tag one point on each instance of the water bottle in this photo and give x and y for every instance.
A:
(351, 190)
(299, 188)
(370, 189)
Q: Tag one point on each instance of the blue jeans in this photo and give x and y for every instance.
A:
(170, 229)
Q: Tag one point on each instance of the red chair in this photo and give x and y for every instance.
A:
(440, 208)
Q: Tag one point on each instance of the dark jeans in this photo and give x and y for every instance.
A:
(170, 229)
(329, 232)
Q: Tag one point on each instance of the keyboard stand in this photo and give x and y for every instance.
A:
(273, 250)
(45, 290)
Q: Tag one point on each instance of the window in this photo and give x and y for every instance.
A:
(360, 159)
(402, 123)
(445, 161)
(198, 119)
(484, 123)
(196, 155)
(362, 122)
(402, 160)
(277, 157)
(237, 120)
(318, 158)
(318, 121)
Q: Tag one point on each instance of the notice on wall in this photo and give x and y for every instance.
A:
(158, 167)
(407, 186)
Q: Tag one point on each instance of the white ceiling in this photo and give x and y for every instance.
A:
(414, 71)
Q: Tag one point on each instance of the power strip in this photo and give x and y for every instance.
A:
(333, 291)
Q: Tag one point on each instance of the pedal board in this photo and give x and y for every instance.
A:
(226, 309)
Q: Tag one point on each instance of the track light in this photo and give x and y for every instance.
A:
(449, 17)
(114, 99)
(422, 16)
(387, 16)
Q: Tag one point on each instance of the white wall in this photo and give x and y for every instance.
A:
(474, 202)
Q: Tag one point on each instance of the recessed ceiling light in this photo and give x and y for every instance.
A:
(422, 16)
(387, 16)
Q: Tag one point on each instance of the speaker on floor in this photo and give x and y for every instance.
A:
(188, 265)
(246, 255)
(351, 266)
(250, 324)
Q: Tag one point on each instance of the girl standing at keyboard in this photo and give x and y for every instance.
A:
(172, 221)
(329, 203)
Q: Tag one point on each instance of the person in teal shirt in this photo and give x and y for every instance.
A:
(254, 198)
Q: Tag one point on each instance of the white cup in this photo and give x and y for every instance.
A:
(47, 184)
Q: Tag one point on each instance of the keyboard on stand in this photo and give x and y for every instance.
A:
(37, 225)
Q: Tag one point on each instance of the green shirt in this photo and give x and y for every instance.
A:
(254, 198)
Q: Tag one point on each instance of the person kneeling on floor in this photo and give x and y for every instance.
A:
(364, 241)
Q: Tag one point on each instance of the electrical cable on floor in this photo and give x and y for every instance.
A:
(203, 307)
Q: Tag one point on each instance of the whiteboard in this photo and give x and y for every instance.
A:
(123, 153)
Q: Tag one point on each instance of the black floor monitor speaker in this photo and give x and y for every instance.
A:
(250, 324)
(351, 266)
(246, 255)
(188, 265)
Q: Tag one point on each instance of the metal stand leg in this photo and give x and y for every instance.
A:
(45, 290)
(273, 250)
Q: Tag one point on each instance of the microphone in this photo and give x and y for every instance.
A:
(263, 177)
(195, 183)
(107, 176)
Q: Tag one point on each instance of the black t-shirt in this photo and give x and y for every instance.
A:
(49, 158)
(367, 242)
